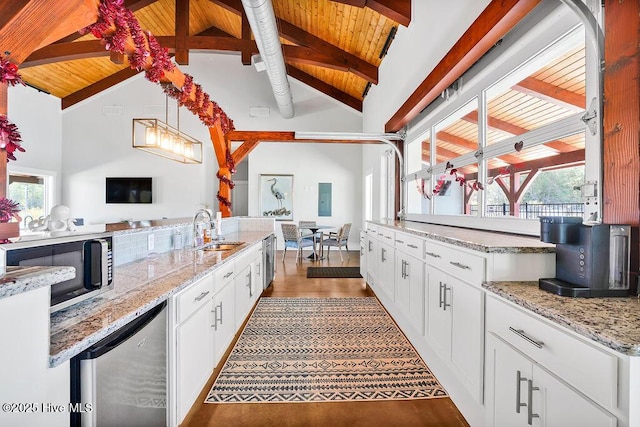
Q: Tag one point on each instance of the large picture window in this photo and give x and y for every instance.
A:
(510, 144)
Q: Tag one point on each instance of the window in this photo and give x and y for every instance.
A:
(509, 142)
(33, 190)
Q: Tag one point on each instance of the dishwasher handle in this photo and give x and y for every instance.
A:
(116, 338)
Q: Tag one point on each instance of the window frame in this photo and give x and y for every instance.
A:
(544, 27)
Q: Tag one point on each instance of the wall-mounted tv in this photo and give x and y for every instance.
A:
(128, 190)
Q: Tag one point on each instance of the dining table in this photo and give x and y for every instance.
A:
(314, 230)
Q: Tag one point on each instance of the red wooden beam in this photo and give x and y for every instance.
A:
(325, 88)
(551, 93)
(494, 22)
(182, 32)
(98, 87)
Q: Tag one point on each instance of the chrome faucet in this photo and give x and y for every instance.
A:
(26, 223)
(199, 240)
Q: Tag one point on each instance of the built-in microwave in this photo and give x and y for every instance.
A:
(90, 255)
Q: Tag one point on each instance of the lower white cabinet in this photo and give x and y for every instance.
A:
(410, 289)
(194, 354)
(385, 269)
(223, 320)
(363, 254)
(454, 326)
(243, 295)
(521, 393)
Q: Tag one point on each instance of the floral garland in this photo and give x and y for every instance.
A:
(442, 179)
(231, 165)
(9, 72)
(10, 138)
(112, 14)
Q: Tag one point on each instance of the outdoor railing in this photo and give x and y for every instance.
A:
(534, 210)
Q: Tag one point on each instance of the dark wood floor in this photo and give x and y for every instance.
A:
(291, 281)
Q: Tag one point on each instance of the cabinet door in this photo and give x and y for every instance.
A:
(410, 289)
(558, 405)
(363, 255)
(257, 279)
(439, 312)
(372, 261)
(467, 334)
(386, 270)
(242, 284)
(507, 388)
(195, 359)
(223, 324)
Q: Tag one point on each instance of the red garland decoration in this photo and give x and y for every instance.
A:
(9, 72)
(112, 14)
(10, 138)
(223, 200)
(226, 180)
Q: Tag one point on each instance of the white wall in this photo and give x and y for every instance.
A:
(97, 145)
(311, 164)
(435, 27)
(37, 116)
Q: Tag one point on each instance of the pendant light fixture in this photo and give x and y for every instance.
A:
(157, 137)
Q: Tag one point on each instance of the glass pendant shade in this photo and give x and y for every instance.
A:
(157, 137)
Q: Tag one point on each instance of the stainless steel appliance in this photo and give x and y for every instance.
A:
(91, 255)
(268, 254)
(122, 379)
(591, 260)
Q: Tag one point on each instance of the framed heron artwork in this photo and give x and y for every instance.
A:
(276, 197)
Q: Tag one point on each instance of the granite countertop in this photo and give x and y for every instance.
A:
(612, 322)
(138, 287)
(477, 240)
(22, 279)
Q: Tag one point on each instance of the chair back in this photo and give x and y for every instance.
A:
(344, 231)
(306, 223)
(289, 232)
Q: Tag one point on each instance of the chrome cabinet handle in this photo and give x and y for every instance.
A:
(202, 295)
(370, 249)
(382, 251)
(258, 272)
(215, 316)
(519, 379)
(444, 297)
(406, 269)
(228, 274)
(462, 266)
(412, 246)
(249, 284)
(387, 237)
(523, 335)
(530, 414)
(431, 254)
(440, 295)
(399, 241)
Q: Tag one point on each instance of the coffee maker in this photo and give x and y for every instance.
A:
(591, 260)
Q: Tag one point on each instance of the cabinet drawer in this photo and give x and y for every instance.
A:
(412, 245)
(457, 262)
(224, 273)
(190, 299)
(591, 370)
(386, 235)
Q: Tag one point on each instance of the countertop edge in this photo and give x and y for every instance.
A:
(18, 280)
(406, 227)
(560, 319)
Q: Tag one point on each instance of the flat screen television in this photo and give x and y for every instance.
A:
(128, 190)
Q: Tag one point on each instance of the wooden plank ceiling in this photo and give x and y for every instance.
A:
(333, 46)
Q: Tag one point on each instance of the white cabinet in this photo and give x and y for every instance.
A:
(372, 260)
(454, 326)
(194, 342)
(385, 265)
(521, 393)
(223, 319)
(410, 288)
(246, 289)
(363, 254)
(257, 270)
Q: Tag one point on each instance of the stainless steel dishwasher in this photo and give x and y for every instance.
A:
(268, 254)
(122, 379)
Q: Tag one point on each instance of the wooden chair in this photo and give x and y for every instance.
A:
(293, 239)
(339, 239)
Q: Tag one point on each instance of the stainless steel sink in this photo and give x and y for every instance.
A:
(222, 246)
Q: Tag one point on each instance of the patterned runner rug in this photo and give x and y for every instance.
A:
(322, 349)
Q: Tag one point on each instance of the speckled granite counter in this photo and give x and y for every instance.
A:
(138, 287)
(22, 279)
(477, 240)
(613, 322)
